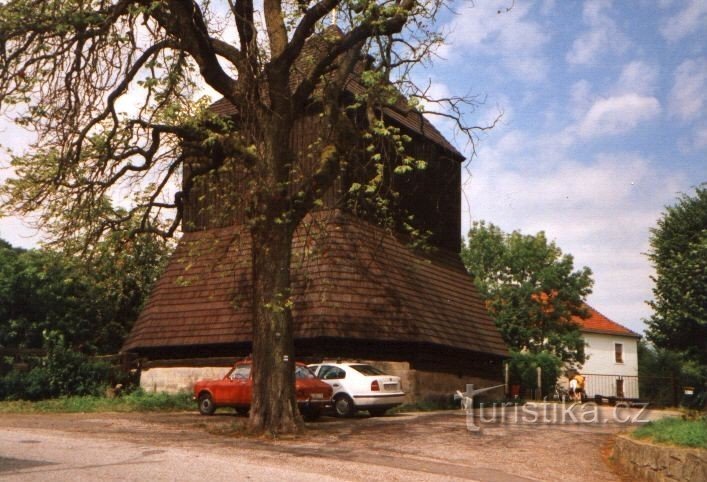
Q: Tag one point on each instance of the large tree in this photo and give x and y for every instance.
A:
(531, 289)
(109, 87)
(678, 251)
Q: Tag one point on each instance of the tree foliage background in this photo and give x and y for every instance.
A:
(72, 310)
(89, 305)
(662, 374)
(531, 289)
(678, 251)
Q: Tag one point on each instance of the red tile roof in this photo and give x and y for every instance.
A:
(598, 323)
(351, 281)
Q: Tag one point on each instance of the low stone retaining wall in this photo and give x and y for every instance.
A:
(660, 463)
(175, 379)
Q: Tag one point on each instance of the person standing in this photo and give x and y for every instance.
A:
(579, 380)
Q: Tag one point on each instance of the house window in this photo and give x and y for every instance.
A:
(619, 352)
(619, 388)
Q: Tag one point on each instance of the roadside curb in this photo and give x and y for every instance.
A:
(658, 463)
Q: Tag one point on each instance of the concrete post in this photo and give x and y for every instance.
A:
(540, 379)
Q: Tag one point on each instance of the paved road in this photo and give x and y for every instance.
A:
(37, 455)
(185, 446)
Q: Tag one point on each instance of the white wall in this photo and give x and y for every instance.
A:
(177, 379)
(601, 362)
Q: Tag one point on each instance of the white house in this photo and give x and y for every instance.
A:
(611, 368)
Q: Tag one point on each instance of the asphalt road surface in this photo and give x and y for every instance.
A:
(424, 446)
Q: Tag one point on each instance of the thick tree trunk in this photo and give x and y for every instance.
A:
(274, 408)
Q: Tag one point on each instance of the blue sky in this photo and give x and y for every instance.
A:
(604, 123)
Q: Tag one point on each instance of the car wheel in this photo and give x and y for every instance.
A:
(377, 412)
(206, 404)
(344, 406)
(311, 414)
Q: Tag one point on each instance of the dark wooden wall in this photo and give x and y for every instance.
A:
(431, 197)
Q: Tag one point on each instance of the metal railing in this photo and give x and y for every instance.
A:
(614, 386)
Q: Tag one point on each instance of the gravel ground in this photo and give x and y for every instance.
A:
(419, 446)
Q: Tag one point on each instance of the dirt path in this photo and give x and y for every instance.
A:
(426, 446)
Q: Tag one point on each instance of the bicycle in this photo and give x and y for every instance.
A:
(560, 394)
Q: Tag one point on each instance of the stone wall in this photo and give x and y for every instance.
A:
(660, 463)
(175, 379)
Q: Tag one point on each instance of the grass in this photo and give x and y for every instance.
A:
(675, 431)
(137, 401)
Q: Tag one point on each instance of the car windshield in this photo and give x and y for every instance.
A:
(303, 372)
(367, 370)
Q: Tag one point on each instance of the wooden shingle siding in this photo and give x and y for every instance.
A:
(352, 282)
(432, 196)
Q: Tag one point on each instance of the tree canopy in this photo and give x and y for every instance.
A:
(531, 289)
(678, 251)
(45, 293)
(111, 89)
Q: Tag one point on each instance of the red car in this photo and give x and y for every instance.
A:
(235, 390)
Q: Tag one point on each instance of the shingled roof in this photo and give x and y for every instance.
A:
(350, 280)
(598, 323)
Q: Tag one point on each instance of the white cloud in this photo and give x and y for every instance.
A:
(510, 36)
(701, 138)
(689, 20)
(434, 90)
(581, 98)
(694, 141)
(638, 77)
(602, 36)
(617, 115)
(688, 96)
(626, 104)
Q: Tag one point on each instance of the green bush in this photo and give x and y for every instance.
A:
(73, 373)
(63, 372)
(523, 370)
(25, 385)
(662, 374)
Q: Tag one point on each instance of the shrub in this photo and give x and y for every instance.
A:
(662, 374)
(62, 372)
(523, 370)
(73, 373)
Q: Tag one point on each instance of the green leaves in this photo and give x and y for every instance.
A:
(90, 304)
(523, 369)
(679, 254)
(531, 289)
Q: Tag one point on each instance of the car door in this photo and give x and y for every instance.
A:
(334, 376)
(242, 385)
(233, 389)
